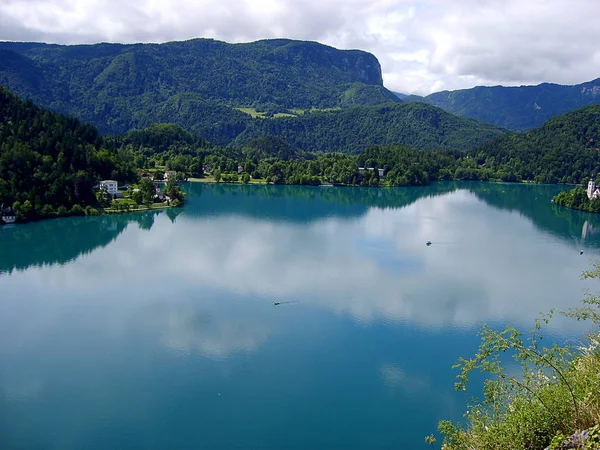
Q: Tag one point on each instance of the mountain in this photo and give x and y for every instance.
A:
(400, 95)
(122, 87)
(565, 149)
(160, 137)
(516, 108)
(352, 130)
(49, 162)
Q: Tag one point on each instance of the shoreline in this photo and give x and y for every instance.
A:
(100, 212)
(263, 182)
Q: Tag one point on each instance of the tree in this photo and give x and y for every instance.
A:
(217, 175)
(147, 190)
(174, 192)
(245, 178)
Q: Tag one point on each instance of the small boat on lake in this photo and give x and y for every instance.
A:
(428, 243)
(276, 303)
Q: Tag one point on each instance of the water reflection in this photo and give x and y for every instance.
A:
(134, 325)
(62, 240)
(192, 328)
(369, 262)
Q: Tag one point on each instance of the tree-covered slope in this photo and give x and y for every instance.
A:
(566, 149)
(516, 108)
(121, 87)
(352, 130)
(49, 162)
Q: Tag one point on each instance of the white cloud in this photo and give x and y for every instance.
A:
(372, 268)
(423, 46)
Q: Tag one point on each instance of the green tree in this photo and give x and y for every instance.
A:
(148, 191)
(174, 192)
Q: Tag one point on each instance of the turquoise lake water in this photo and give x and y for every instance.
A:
(157, 330)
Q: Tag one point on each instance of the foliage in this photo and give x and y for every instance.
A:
(556, 394)
(516, 108)
(49, 163)
(563, 150)
(146, 192)
(120, 87)
(352, 130)
(577, 199)
(173, 190)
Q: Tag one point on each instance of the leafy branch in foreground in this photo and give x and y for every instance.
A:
(552, 401)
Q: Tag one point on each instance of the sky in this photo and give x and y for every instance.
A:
(423, 46)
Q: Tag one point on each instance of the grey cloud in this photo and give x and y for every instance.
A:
(457, 43)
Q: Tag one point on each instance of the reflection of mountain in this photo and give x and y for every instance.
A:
(61, 240)
(301, 203)
(533, 202)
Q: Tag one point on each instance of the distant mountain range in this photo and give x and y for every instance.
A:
(516, 108)
(313, 96)
(121, 87)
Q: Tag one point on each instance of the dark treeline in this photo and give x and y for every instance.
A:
(562, 151)
(49, 163)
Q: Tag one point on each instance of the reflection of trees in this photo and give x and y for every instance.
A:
(172, 213)
(62, 240)
(304, 203)
(533, 202)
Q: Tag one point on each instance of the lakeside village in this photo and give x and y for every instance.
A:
(156, 192)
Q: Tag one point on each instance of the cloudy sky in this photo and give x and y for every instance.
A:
(423, 46)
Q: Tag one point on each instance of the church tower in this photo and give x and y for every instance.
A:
(591, 188)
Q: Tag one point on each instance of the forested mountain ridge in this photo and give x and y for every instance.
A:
(119, 87)
(352, 130)
(517, 108)
(566, 149)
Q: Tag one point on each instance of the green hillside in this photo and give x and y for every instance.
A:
(516, 108)
(122, 87)
(566, 149)
(352, 130)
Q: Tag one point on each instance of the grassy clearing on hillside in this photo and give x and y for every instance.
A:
(294, 112)
(252, 112)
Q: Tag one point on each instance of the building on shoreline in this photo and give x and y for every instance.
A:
(109, 186)
(593, 192)
(7, 215)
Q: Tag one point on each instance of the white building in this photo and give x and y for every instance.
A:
(592, 191)
(169, 174)
(109, 186)
(7, 215)
(381, 172)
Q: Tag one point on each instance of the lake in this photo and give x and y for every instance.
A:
(158, 330)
